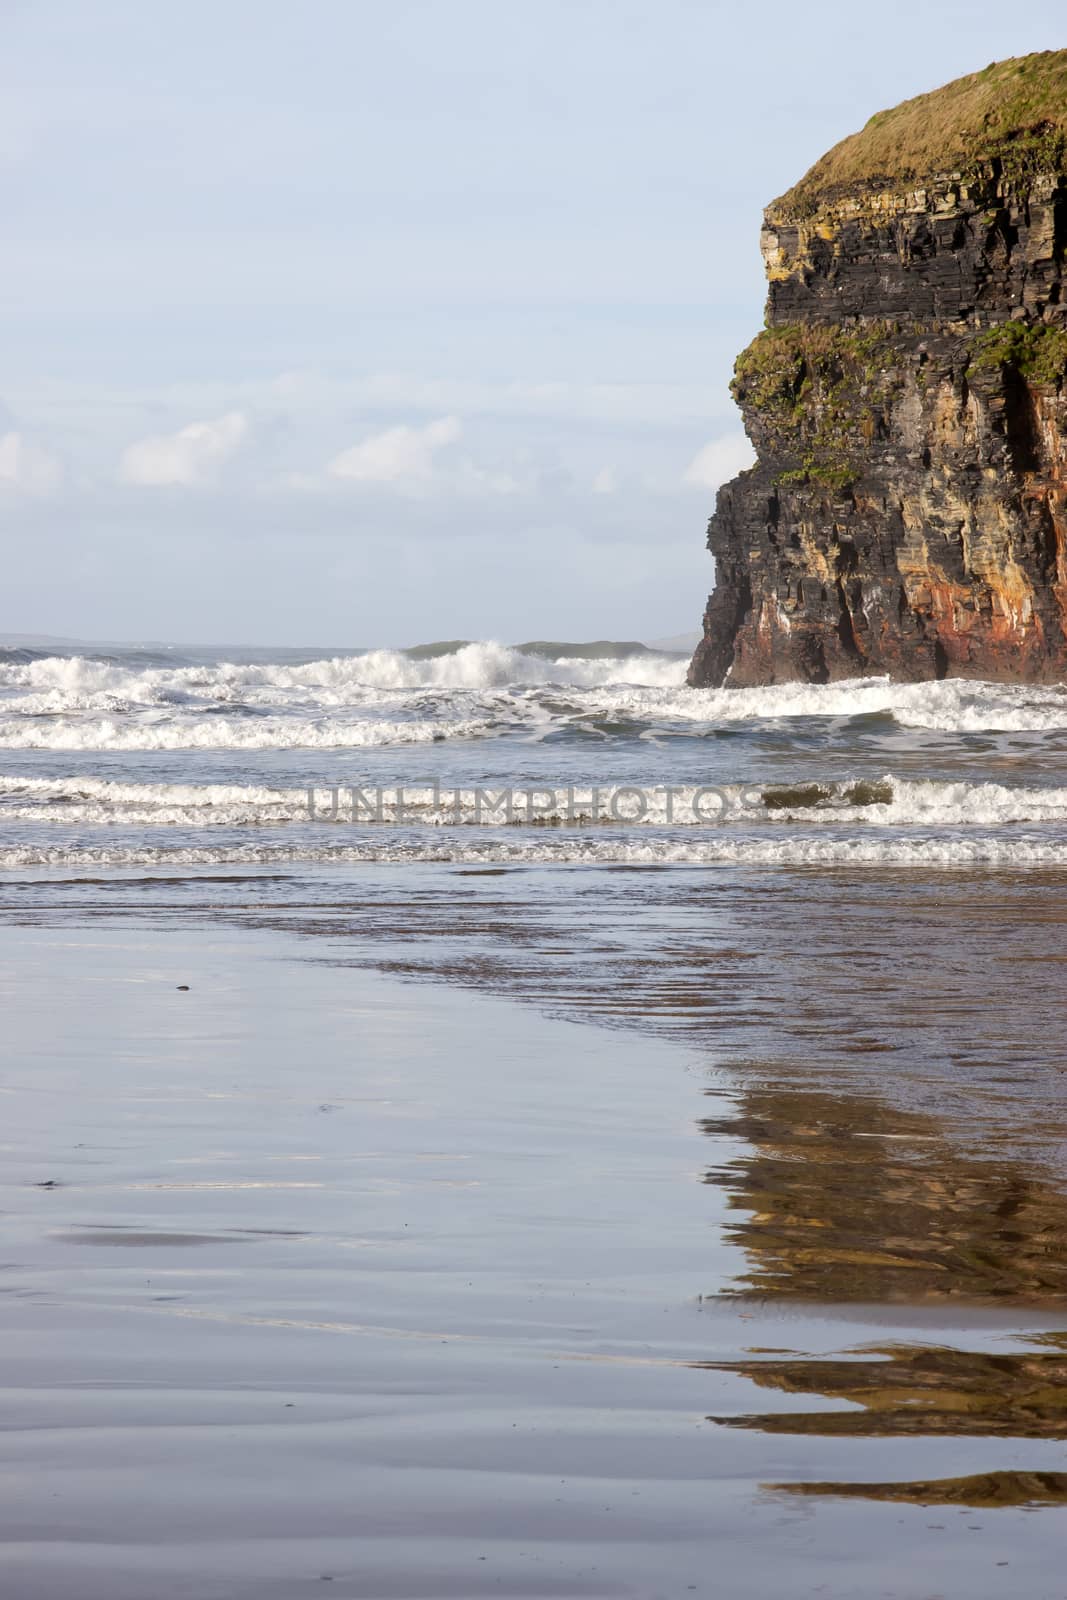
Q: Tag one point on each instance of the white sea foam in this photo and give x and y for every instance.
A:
(387, 697)
(474, 666)
(950, 706)
(911, 803)
(128, 813)
(228, 734)
(785, 851)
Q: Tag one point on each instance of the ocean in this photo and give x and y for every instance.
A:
(148, 757)
(488, 1119)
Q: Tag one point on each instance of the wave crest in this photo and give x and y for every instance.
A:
(881, 803)
(785, 852)
(458, 690)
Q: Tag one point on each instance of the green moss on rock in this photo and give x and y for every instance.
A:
(821, 393)
(1038, 352)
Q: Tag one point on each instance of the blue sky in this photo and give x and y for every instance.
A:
(355, 323)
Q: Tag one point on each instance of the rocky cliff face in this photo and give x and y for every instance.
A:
(908, 404)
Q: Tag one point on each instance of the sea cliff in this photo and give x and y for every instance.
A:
(907, 400)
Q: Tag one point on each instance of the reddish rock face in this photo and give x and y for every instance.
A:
(908, 404)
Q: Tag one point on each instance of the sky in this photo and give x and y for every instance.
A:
(368, 322)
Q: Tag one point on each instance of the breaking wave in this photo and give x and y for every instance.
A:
(785, 851)
(453, 691)
(111, 733)
(467, 666)
(880, 803)
(194, 760)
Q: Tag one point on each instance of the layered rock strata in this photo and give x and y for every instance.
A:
(907, 401)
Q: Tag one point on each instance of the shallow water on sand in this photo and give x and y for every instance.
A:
(359, 1263)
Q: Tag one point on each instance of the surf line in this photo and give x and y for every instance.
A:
(600, 803)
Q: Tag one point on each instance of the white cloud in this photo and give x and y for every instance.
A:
(471, 479)
(605, 482)
(192, 455)
(28, 467)
(403, 456)
(720, 460)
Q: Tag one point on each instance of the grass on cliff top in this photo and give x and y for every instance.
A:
(1014, 111)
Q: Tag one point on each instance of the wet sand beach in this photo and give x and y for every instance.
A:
(366, 1266)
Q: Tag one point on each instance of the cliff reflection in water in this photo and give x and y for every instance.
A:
(849, 1200)
(844, 1200)
(906, 1389)
(986, 1489)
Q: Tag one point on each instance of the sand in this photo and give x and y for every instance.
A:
(404, 1290)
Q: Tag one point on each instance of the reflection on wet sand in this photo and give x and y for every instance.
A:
(906, 1389)
(982, 1489)
(846, 1199)
(889, 1131)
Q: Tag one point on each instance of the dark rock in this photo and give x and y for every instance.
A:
(908, 404)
